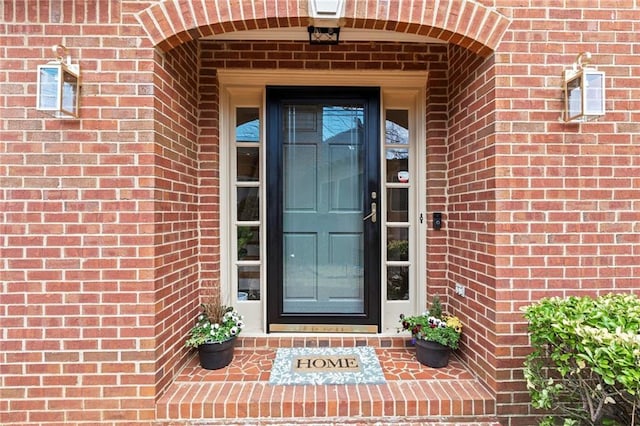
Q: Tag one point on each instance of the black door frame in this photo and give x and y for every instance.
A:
(276, 97)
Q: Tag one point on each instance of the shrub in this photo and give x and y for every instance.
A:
(585, 364)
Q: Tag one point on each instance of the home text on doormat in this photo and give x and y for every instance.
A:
(324, 366)
(311, 363)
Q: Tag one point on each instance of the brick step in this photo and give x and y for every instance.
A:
(241, 393)
(382, 421)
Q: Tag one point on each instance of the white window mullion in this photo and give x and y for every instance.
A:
(243, 264)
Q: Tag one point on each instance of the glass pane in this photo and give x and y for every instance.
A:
(397, 205)
(595, 95)
(248, 204)
(398, 244)
(397, 126)
(248, 163)
(397, 164)
(323, 164)
(398, 283)
(248, 282)
(248, 243)
(69, 95)
(574, 98)
(247, 125)
(48, 96)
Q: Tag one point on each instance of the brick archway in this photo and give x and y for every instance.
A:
(471, 30)
(170, 23)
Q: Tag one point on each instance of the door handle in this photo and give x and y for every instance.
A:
(374, 213)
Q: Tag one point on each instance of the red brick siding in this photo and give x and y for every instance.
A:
(177, 205)
(300, 55)
(209, 158)
(437, 103)
(470, 205)
(77, 222)
(94, 302)
(567, 195)
(163, 304)
(462, 22)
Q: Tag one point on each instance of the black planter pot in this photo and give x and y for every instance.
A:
(214, 356)
(432, 354)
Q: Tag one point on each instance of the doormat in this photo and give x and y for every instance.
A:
(326, 366)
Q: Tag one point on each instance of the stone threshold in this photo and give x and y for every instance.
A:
(241, 393)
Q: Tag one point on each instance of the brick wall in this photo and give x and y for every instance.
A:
(77, 221)
(176, 206)
(436, 109)
(538, 207)
(110, 223)
(100, 223)
(151, 235)
(567, 195)
(471, 162)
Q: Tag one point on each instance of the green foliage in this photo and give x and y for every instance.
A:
(398, 250)
(436, 307)
(433, 326)
(215, 324)
(585, 364)
(245, 235)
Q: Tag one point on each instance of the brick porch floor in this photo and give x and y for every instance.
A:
(241, 393)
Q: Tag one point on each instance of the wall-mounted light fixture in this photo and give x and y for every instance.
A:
(59, 85)
(325, 19)
(323, 35)
(583, 91)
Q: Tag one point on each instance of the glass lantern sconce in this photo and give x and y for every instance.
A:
(583, 91)
(59, 85)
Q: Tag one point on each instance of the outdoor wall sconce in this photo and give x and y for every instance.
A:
(59, 85)
(325, 19)
(583, 91)
(322, 35)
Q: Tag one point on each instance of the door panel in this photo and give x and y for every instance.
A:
(300, 269)
(323, 263)
(300, 178)
(322, 215)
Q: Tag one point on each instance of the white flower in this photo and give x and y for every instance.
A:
(216, 326)
(234, 330)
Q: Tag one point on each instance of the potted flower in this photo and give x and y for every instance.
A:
(434, 334)
(214, 334)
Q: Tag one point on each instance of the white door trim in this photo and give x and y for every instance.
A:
(249, 86)
(384, 79)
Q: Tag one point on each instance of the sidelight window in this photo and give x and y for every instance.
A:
(247, 224)
(398, 185)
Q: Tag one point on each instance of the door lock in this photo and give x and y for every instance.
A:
(374, 213)
(374, 209)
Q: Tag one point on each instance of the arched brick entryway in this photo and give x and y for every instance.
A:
(470, 33)
(465, 23)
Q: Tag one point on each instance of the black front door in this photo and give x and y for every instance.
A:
(323, 229)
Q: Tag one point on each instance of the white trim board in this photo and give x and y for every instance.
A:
(301, 34)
